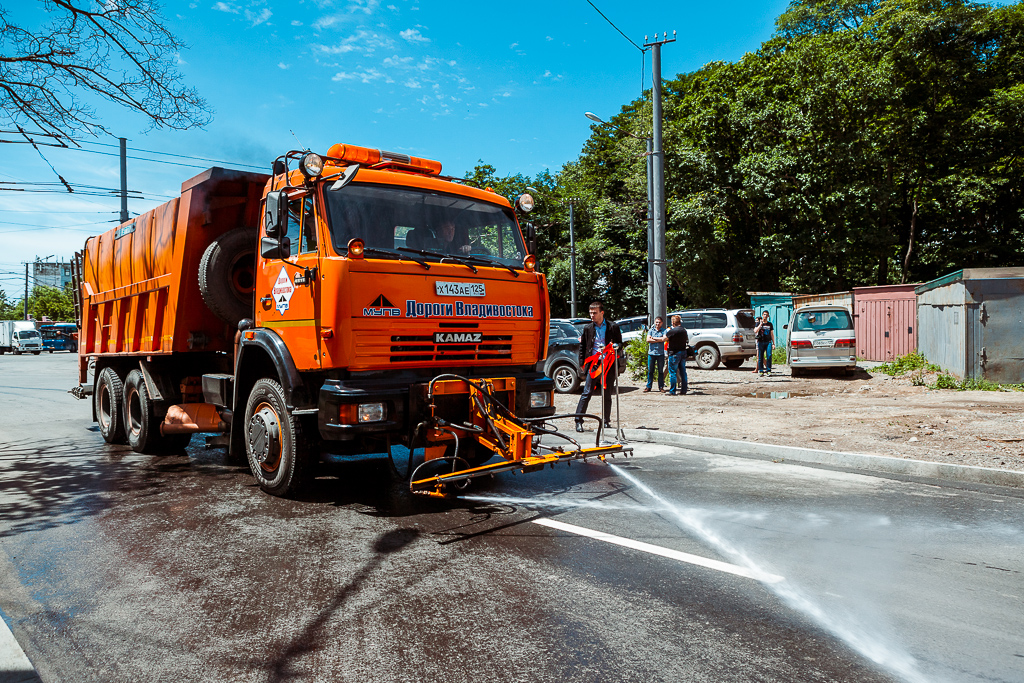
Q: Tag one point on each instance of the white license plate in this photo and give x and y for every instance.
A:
(826, 343)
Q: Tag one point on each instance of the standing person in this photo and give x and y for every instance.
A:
(765, 335)
(676, 342)
(656, 354)
(597, 333)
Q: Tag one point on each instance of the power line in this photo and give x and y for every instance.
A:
(615, 27)
(169, 154)
(40, 152)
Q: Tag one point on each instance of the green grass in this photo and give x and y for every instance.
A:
(908, 363)
(778, 355)
(947, 381)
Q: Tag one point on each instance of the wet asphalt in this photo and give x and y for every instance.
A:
(120, 567)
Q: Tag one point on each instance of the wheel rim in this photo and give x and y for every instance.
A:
(563, 378)
(265, 437)
(705, 357)
(103, 414)
(134, 411)
(243, 276)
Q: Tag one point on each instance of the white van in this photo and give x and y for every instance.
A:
(821, 337)
(20, 336)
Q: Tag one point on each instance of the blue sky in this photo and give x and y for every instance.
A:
(454, 81)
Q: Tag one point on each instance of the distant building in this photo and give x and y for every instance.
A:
(51, 274)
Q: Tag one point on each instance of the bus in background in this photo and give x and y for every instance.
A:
(60, 337)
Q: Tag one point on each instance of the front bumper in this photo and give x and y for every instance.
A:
(405, 404)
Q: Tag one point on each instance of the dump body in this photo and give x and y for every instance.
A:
(139, 283)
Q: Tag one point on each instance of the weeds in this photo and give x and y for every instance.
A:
(947, 381)
(779, 355)
(908, 363)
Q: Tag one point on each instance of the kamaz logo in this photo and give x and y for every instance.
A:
(458, 337)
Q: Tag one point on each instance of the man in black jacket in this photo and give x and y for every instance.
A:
(596, 335)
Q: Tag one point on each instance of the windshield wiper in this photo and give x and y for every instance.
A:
(391, 252)
(480, 258)
(441, 257)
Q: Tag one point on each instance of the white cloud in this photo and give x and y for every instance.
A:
(392, 8)
(178, 60)
(257, 19)
(412, 83)
(296, 22)
(548, 38)
(395, 60)
(362, 41)
(513, 46)
(506, 94)
(367, 76)
(225, 7)
(414, 36)
(364, 6)
(282, 65)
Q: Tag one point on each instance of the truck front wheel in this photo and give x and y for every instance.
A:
(109, 397)
(275, 444)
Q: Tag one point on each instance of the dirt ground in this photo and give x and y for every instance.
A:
(868, 412)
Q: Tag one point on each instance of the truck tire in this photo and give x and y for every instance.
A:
(227, 275)
(109, 397)
(707, 357)
(141, 422)
(275, 444)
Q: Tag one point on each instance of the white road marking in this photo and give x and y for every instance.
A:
(658, 550)
(14, 663)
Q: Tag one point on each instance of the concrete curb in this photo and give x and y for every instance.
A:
(859, 461)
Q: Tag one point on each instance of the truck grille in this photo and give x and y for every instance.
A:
(421, 347)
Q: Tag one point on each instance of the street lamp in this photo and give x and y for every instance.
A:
(651, 313)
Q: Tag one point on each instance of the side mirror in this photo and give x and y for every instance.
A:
(275, 217)
(274, 248)
(531, 239)
(785, 327)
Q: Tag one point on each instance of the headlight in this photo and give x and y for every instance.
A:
(311, 165)
(371, 412)
(540, 399)
(525, 202)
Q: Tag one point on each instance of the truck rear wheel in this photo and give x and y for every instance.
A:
(227, 275)
(109, 398)
(275, 444)
(141, 422)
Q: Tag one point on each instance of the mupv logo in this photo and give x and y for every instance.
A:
(382, 308)
(458, 337)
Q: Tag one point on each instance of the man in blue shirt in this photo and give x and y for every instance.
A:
(597, 333)
(656, 355)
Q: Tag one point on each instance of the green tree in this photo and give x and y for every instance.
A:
(10, 309)
(52, 303)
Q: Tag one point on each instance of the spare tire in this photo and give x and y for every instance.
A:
(227, 275)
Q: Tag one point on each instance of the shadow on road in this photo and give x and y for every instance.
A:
(311, 638)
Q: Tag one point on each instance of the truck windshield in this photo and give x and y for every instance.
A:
(28, 334)
(439, 224)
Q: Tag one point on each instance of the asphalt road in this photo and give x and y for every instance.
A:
(121, 567)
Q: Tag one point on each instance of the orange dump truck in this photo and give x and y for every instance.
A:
(346, 304)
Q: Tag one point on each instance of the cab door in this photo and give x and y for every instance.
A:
(288, 297)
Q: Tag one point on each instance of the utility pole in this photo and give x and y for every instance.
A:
(124, 180)
(650, 232)
(572, 262)
(660, 294)
(25, 302)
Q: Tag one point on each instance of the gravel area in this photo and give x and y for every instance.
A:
(868, 412)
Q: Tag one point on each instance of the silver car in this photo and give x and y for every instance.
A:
(719, 335)
(821, 337)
